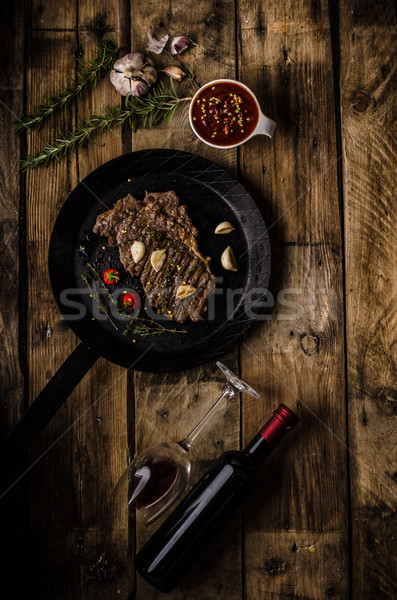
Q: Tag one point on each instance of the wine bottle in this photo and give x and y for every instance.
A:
(221, 493)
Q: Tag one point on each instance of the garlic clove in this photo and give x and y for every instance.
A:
(138, 251)
(156, 46)
(228, 260)
(184, 291)
(138, 88)
(121, 83)
(224, 227)
(157, 259)
(180, 44)
(127, 85)
(174, 73)
(149, 74)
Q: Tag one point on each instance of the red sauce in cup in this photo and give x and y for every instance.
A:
(224, 113)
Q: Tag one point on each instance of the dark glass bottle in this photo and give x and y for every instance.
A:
(220, 494)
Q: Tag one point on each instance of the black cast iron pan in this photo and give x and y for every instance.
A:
(212, 195)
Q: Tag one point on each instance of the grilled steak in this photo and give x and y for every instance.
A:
(160, 223)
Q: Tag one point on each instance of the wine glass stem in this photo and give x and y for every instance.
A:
(187, 441)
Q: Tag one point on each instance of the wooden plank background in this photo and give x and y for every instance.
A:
(368, 102)
(302, 546)
(13, 520)
(324, 522)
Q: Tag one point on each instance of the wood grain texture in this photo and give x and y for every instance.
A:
(12, 323)
(53, 16)
(368, 98)
(211, 24)
(53, 499)
(168, 406)
(103, 445)
(297, 356)
(295, 534)
(11, 106)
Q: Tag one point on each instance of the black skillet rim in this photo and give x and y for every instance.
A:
(258, 274)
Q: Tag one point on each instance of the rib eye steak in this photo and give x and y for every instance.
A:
(181, 287)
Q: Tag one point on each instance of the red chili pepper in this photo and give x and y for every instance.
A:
(130, 301)
(111, 276)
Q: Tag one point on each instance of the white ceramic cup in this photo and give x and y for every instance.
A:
(265, 126)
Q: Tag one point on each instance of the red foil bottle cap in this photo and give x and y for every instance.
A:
(281, 422)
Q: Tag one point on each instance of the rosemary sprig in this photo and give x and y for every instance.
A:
(67, 141)
(160, 103)
(90, 72)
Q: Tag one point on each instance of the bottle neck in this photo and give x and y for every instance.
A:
(282, 421)
(258, 448)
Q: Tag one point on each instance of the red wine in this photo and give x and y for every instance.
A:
(223, 491)
(153, 480)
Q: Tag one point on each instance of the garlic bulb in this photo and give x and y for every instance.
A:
(228, 260)
(224, 227)
(184, 291)
(157, 259)
(133, 74)
(138, 251)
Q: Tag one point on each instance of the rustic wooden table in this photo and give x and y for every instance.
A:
(323, 524)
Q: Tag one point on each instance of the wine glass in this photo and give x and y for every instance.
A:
(159, 475)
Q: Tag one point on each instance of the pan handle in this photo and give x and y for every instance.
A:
(47, 403)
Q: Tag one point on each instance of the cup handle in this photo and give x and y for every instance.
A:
(265, 126)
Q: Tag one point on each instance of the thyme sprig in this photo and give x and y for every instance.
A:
(90, 71)
(143, 327)
(94, 292)
(95, 275)
(160, 103)
(146, 327)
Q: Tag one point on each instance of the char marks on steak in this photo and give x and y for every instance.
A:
(160, 222)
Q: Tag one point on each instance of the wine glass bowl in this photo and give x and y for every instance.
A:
(159, 475)
(156, 478)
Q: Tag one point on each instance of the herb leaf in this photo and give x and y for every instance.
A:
(90, 71)
(160, 103)
(143, 327)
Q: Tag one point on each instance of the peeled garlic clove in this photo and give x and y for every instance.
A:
(138, 251)
(228, 260)
(224, 227)
(184, 291)
(157, 259)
